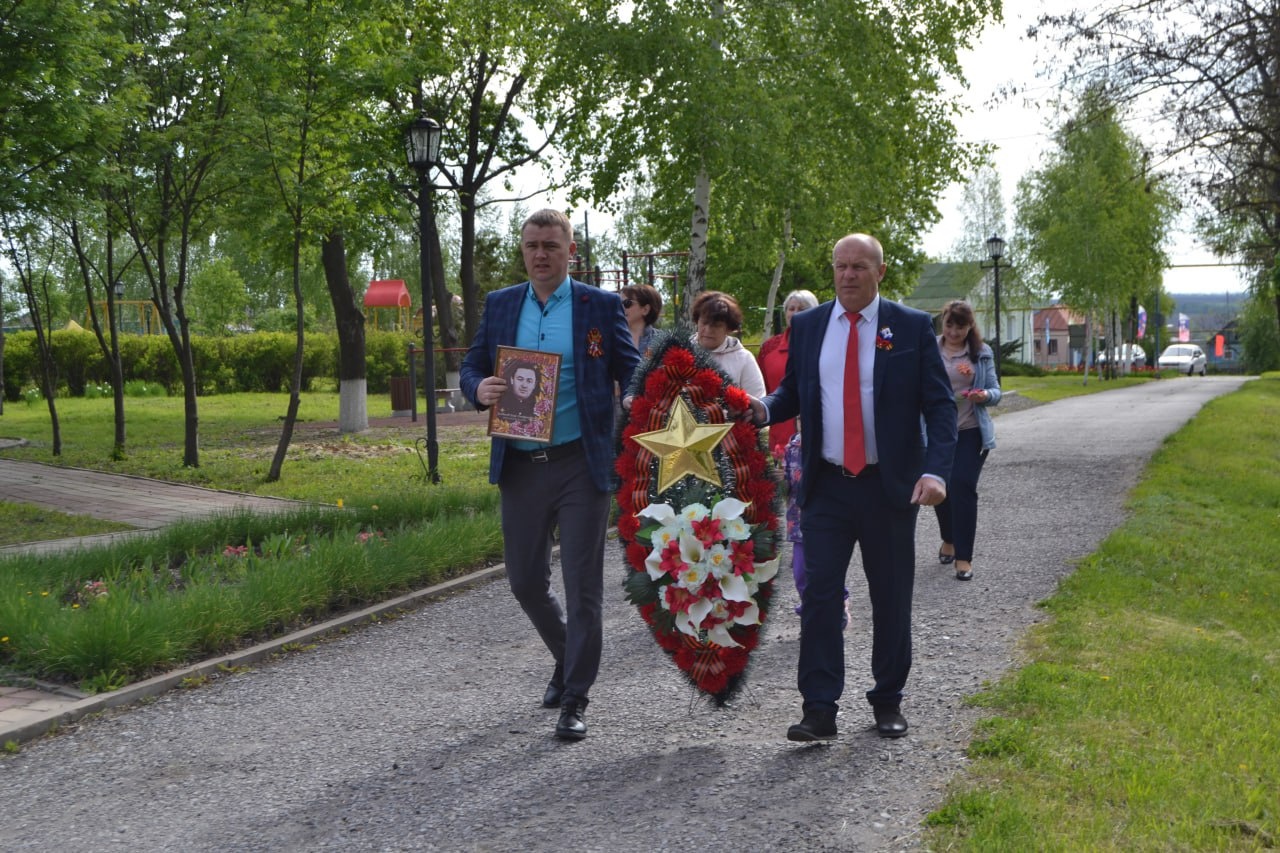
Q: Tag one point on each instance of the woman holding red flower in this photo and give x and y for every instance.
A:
(971, 368)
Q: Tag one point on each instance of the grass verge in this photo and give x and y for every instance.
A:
(20, 522)
(1145, 717)
(105, 617)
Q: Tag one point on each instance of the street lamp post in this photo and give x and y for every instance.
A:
(995, 248)
(422, 148)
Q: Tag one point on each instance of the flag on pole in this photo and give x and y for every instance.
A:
(1142, 322)
(1184, 328)
(1046, 330)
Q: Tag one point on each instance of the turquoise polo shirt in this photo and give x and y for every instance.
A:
(549, 328)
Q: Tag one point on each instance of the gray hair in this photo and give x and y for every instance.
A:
(804, 297)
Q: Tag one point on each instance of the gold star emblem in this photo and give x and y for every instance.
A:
(684, 446)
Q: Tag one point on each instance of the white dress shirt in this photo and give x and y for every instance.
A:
(831, 360)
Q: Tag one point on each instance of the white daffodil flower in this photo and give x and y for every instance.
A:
(719, 560)
(694, 512)
(693, 576)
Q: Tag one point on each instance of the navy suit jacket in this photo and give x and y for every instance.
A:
(910, 383)
(595, 375)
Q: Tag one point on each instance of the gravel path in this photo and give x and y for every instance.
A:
(425, 732)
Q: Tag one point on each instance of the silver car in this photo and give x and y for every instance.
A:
(1185, 358)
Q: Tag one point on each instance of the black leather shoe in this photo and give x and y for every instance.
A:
(889, 721)
(966, 575)
(946, 559)
(816, 725)
(555, 689)
(570, 725)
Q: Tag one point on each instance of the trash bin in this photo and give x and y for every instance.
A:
(401, 396)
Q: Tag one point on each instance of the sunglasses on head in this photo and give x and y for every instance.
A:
(627, 303)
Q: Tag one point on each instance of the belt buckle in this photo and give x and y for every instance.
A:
(538, 455)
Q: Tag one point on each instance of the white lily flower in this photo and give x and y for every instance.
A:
(688, 622)
(729, 508)
(661, 513)
(765, 572)
(719, 634)
(691, 550)
(734, 588)
(653, 564)
(750, 616)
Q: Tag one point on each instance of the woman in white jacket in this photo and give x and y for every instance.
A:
(717, 316)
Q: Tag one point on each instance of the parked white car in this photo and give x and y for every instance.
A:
(1185, 358)
(1134, 354)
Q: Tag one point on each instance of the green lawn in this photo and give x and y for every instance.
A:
(20, 522)
(1145, 717)
(238, 437)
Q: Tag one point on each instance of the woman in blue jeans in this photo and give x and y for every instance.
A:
(971, 367)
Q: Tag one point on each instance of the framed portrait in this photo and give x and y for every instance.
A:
(527, 409)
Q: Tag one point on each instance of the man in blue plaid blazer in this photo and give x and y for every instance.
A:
(565, 485)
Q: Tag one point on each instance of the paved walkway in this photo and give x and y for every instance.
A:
(424, 732)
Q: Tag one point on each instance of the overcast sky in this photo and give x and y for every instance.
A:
(1021, 131)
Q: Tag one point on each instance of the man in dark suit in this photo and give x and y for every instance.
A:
(861, 392)
(566, 485)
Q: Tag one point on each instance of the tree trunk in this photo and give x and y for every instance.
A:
(353, 403)
(295, 381)
(467, 270)
(698, 241)
(776, 281)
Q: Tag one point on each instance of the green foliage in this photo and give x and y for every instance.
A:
(219, 298)
(1144, 719)
(1260, 336)
(252, 362)
(1093, 219)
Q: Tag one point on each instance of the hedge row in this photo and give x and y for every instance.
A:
(262, 361)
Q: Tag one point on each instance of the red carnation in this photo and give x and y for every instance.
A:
(678, 359)
(685, 658)
(656, 385)
(737, 399)
(708, 381)
(628, 526)
(636, 555)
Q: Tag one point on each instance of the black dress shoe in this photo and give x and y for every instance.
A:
(946, 559)
(555, 689)
(966, 575)
(570, 725)
(816, 725)
(889, 721)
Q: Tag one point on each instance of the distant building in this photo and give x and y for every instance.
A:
(942, 282)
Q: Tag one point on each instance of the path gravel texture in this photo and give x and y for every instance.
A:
(425, 732)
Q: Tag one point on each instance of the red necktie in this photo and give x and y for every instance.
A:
(855, 452)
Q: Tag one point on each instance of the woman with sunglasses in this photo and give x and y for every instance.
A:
(643, 305)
